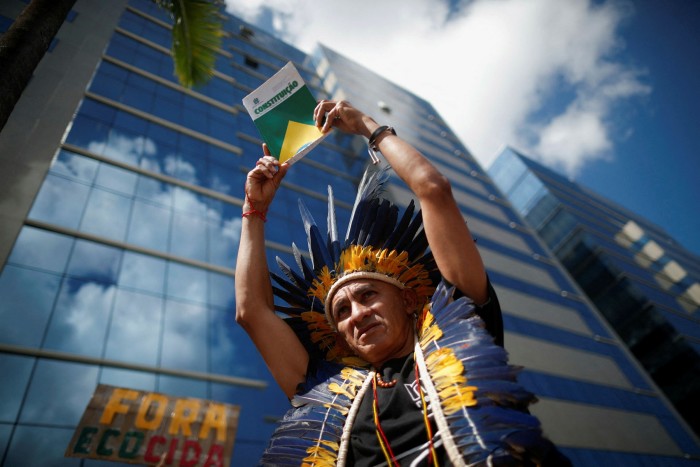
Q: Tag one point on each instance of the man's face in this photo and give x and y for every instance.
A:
(375, 319)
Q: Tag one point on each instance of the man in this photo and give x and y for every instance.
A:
(372, 295)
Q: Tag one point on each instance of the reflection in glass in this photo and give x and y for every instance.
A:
(34, 446)
(256, 404)
(116, 179)
(142, 272)
(149, 226)
(131, 379)
(135, 328)
(187, 282)
(27, 299)
(95, 262)
(12, 389)
(232, 351)
(189, 236)
(5, 434)
(185, 337)
(106, 214)
(60, 201)
(122, 145)
(73, 166)
(221, 291)
(185, 200)
(59, 393)
(41, 249)
(224, 236)
(182, 387)
(88, 133)
(154, 190)
(79, 322)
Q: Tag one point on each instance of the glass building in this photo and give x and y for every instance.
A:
(120, 201)
(646, 284)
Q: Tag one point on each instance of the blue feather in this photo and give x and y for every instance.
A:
(333, 241)
(401, 227)
(319, 252)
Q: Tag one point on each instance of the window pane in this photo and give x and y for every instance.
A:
(70, 383)
(189, 236)
(95, 262)
(135, 329)
(142, 272)
(185, 337)
(106, 214)
(182, 387)
(12, 389)
(224, 237)
(190, 202)
(116, 179)
(27, 299)
(41, 249)
(60, 201)
(80, 320)
(187, 282)
(232, 351)
(34, 446)
(153, 190)
(149, 226)
(124, 146)
(221, 291)
(76, 167)
(128, 379)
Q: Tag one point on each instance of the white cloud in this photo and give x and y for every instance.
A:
(572, 138)
(507, 60)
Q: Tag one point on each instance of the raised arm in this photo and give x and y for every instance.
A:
(279, 346)
(448, 235)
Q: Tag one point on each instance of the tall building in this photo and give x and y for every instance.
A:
(645, 283)
(120, 198)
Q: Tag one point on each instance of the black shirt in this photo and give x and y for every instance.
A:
(400, 407)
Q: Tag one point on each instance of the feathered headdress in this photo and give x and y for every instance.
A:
(475, 399)
(378, 245)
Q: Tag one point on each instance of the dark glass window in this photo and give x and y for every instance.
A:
(27, 299)
(38, 445)
(70, 383)
(12, 389)
(138, 380)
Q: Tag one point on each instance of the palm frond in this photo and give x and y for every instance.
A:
(197, 32)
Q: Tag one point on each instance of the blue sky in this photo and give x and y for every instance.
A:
(605, 92)
(656, 170)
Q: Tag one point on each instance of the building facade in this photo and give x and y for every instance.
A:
(120, 198)
(645, 283)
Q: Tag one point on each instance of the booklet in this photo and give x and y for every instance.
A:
(282, 109)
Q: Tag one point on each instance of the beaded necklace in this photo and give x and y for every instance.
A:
(381, 436)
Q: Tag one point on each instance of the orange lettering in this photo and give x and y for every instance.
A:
(115, 406)
(161, 403)
(214, 418)
(185, 412)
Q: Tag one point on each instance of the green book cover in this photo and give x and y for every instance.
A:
(282, 109)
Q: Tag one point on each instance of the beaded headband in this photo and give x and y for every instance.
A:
(379, 244)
